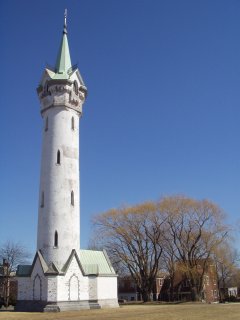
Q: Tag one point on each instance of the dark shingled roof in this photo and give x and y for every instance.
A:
(24, 270)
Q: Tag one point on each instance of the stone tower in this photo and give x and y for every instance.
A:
(62, 276)
(62, 94)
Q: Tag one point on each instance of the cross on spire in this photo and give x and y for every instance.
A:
(65, 22)
(63, 63)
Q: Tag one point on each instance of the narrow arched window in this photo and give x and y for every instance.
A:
(46, 87)
(58, 157)
(55, 239)
(42, 200)
(72, 198)
(72, 123)
(46, 124)
(75, 86)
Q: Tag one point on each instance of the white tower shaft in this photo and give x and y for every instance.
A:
(58, 224)
(62, 93)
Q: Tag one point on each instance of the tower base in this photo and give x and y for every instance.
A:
(44, 306)
(43, 288)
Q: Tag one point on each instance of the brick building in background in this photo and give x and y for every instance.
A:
(127, 289)
(181, 285)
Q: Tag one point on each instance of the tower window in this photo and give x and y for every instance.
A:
(55, 239)
(46, 124)
(42, 200)
(58, 157)
(46, 87)
(75, 86)
(72, 123)
(72, 198)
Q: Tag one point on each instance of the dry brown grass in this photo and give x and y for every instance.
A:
(138, 312)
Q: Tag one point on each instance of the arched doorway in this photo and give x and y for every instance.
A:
(37, 288)
(73, 288)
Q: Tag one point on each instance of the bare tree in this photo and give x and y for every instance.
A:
(98, 244)
(226, 259)
(168, 264)
(12, 254)
(133, 239)
(195, 229)
(174, 233)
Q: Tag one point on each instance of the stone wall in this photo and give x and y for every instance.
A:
(73, 286)
(107, 291)
(34, 287)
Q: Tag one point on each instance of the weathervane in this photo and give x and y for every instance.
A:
(65, 21)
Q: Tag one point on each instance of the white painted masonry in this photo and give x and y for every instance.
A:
(57, 183)
(63, 277)
(73, 286)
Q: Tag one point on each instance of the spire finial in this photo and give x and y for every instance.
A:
(65, 22)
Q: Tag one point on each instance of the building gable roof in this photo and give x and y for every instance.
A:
(97, 261)
(90, 262)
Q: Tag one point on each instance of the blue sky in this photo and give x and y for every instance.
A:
(162, 114)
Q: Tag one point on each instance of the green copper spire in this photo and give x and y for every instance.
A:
(63, 63)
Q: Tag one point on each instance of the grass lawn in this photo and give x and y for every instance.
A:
(136, 312)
